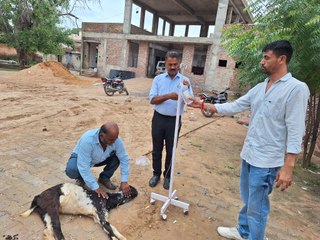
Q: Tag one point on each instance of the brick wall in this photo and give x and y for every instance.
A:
(111, 28)
(187, 59)
(137, 30)
(226, 76)
(114, 48)
(102, 27)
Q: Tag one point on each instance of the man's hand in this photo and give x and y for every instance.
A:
(125, 188)
(195, 103)
(284, 176)
(101, 193)
(173, 96)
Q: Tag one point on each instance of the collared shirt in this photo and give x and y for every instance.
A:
(163, 84)
(90, 153)
(277, 120)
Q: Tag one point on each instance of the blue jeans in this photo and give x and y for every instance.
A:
(111, 165)
(255, 186)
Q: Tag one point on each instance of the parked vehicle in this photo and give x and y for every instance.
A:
(112, 85)
(217, 97)
(160, 68)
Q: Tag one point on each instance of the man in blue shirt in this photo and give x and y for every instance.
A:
(278, 111)
(100, 147)
(164, 95)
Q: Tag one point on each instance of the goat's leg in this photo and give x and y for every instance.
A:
(52, 229)
(101, 218)
(117, 234)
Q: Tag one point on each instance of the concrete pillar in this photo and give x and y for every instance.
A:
(82, 55)
(92, 55)
(151, 64)
(104, 57)
(204, 30)
(210, 80)
(155, 23)
(142, 59)
(164, 27)
(187, 59)
(142, 17)
(126, 30)
(171, 31)
(186, 31)
(229, 15)
(127, 17)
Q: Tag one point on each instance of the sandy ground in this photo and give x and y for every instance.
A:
(44, 110)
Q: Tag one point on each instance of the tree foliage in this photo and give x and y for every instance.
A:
(34, 25)
(297, 21)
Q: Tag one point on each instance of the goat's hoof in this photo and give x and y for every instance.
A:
(164, 217)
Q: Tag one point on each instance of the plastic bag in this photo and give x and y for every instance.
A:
(142, 161)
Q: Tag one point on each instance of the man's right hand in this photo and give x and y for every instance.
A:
(101, 193)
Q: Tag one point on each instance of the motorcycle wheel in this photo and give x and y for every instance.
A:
(207, 113)
(108, 90)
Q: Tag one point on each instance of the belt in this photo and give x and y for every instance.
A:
(165, 116)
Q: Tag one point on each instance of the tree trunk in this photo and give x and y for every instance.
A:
(23, 58)
(312, 130)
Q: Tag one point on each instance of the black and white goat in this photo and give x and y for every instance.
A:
(69, 198)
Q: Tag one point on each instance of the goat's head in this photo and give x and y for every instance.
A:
(116, 199)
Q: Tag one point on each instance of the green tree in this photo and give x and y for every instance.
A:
(297, 21)
(34, 25)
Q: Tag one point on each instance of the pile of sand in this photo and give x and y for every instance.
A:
(7, 51)
(48, 70)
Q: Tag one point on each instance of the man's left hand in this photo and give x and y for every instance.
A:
(284, 177)
(125, 188)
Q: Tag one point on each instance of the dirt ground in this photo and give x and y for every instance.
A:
(44, 110)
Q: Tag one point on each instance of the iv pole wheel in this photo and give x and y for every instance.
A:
(185, 211)
(164, 217)
(152, 201)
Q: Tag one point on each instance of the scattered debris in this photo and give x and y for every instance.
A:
(13, 237)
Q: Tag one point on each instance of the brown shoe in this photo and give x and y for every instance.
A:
(108, 184)
(82, 184)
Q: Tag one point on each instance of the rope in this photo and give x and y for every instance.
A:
(191, 131)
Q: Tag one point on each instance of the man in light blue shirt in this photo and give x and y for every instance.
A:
(100, 147)
(164, 95)
(278, 111)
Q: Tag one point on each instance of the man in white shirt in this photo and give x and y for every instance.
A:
(278, 111)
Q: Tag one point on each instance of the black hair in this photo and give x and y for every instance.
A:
(103, 129)
(173, 54)
(280, 47)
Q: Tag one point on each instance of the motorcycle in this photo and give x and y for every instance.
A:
(218, 97)
(112, 85)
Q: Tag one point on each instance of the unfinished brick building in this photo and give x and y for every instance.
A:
(107, 46)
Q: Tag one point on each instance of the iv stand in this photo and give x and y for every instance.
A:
(172, 197)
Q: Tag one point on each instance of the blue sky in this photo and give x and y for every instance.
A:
(106, 11)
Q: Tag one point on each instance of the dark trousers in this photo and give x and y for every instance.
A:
(162, 132)
(111, 165)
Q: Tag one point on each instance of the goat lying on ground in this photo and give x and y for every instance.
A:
(72, 199)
